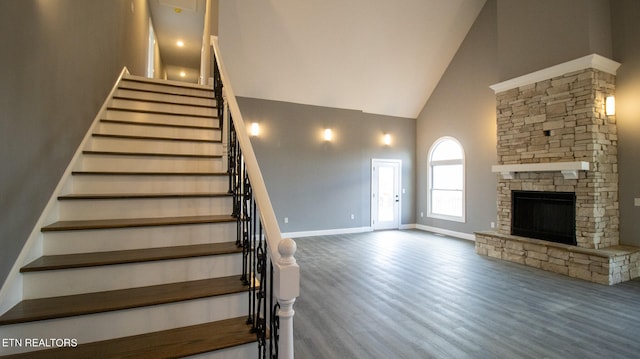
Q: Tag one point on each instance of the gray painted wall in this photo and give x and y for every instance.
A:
(463, 106)
(318, 185)
(533, 35)
(59, 60)
(626, 34)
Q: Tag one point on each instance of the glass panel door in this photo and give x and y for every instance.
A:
(385, 196)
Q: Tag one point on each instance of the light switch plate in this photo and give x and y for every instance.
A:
(636, 202)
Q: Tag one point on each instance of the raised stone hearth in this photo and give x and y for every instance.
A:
(554, 136)
(608, 266)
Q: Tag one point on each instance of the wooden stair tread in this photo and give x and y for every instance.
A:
(141, 195)
(167, 83)
(173, 343)
(159, 124)
(132, 173)
(165, 91)
(176, 103)
(72, 305)
(151, 112)
(82, 260)
(155, 138)
(135, 222)
(149, 154)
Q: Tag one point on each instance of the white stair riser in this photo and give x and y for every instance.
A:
(101, 240)
(161, 118)
(163, 107)
(109, 325)
(148, 184)
(158, 131)
(145, 86)
(108, 162)
(145, 95)
(248, 351)
(54, 283)
(143, 208)
(154, 146)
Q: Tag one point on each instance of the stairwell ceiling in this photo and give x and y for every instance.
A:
(378, 56)
(185, 24)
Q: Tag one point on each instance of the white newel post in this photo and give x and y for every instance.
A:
(287, 289)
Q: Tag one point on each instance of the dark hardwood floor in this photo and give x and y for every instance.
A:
(411, 294)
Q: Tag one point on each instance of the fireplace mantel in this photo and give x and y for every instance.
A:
(594, 61)
(569, 169)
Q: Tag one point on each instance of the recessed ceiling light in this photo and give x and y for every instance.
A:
(180, 43)
(182, 74)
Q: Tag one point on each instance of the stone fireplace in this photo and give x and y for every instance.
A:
(553, 136)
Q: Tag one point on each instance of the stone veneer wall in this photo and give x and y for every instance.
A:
(563, 120)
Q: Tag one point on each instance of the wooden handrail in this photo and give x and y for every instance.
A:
(286, 281)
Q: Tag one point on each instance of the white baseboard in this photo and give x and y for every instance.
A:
(326, 232)
(329, 232)
(446, 232)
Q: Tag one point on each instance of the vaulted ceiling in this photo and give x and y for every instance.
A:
(377, 56)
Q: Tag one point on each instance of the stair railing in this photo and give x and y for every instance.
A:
(269, 266)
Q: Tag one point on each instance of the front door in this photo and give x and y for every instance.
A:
(385, 194)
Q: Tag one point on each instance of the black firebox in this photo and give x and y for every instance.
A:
(550, 216)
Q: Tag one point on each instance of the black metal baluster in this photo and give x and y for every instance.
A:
(231, 164)
(261, 265)
(217, 91)
(255, 270)
(238, 175)
(247, 250)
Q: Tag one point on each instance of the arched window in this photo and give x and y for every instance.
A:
(446, 180)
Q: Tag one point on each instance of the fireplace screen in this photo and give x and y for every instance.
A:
(550, 216)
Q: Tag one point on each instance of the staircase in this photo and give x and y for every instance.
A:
(142, 261)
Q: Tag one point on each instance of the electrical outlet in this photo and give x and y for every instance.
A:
(421, 214)
(286, 219)
(493, 224)
(353, 216)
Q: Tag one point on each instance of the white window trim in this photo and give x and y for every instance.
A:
(430, 164)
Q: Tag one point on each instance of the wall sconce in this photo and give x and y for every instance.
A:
(386, 139)
(328, 134)
(255, 129)
(610, 106)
